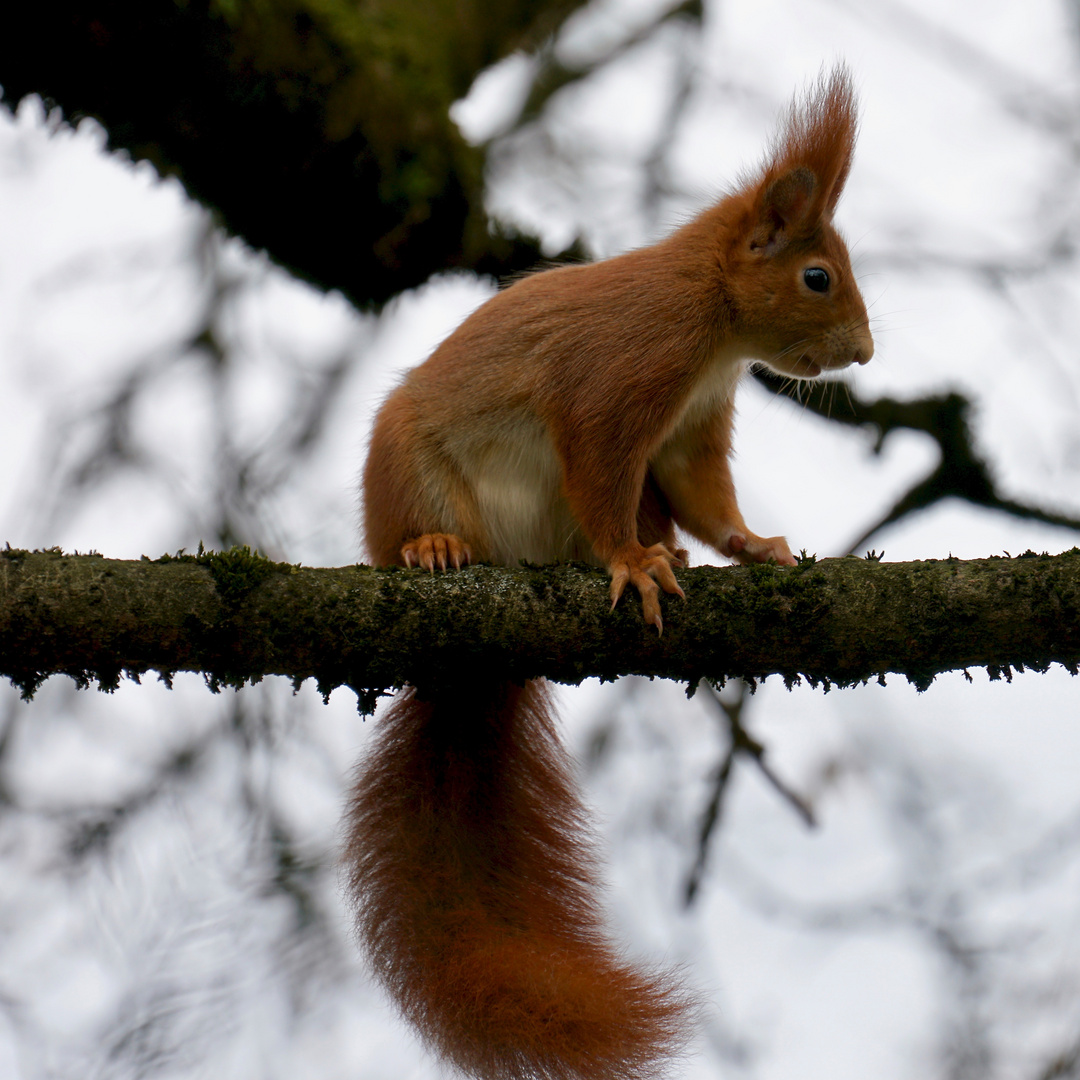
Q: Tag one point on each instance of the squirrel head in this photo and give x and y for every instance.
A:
(787, 268)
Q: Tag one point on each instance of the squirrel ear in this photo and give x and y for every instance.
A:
(784, 209)
(797, 190)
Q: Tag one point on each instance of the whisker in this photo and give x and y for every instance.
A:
(851, 400)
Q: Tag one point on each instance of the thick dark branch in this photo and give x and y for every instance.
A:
(316, 130)
(237, 617)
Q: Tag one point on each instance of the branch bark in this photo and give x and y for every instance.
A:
(237, 617)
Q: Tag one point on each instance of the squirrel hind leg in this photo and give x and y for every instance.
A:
(475, 891)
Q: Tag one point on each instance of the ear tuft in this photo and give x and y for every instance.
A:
(803, 177)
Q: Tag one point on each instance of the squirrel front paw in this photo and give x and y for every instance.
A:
(745, 547)
(436, 549)
(643, 568)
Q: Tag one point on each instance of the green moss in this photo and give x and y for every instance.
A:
(388, 70)
(236, 571)
(239, 570)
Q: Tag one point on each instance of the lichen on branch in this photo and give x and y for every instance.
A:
(237, 617)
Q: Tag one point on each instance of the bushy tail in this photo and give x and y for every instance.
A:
(475, 891)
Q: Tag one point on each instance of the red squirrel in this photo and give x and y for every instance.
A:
(582, 413)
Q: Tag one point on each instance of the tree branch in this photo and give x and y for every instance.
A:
(237, 617)
(961, 473)
(316, 129)
(741, 744)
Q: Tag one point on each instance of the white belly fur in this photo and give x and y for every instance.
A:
(516, 481)
(516, 478)
(714, 388)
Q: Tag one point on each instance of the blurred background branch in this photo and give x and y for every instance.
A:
(318, 131)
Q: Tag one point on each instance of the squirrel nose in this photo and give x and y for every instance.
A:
(864, 351)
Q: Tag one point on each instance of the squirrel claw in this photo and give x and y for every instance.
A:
(436, 549)
(648, 570)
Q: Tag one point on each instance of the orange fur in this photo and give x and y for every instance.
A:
(476, 896)
(582, 413)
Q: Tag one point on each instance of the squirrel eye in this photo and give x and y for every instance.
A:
(816, 279)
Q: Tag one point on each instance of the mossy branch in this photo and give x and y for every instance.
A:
(237, 617)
